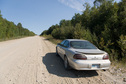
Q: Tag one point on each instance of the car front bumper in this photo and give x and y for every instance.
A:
(90, 64)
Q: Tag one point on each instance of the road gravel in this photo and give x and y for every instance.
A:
(32, 60)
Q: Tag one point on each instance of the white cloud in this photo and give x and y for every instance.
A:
(78, 4)
(75, 4)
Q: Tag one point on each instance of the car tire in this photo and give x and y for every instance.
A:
(66, 63)
(104, 70)
(57, 52)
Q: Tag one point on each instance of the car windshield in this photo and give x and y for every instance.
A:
(82, 45)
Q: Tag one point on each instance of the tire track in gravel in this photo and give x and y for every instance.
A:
(28, 67)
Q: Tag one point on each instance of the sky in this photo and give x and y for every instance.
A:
(39, 15)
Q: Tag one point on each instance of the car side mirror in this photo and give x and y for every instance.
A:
(58, 44)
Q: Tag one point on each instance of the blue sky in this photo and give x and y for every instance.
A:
(39, 15)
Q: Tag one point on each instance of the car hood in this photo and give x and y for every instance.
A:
(88, 51)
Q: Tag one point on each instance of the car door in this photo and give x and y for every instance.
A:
(59, 47)
(64, 48)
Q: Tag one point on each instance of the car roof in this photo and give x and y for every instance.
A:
(75, 40)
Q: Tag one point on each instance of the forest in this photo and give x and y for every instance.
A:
(103, 24)
(8, 30)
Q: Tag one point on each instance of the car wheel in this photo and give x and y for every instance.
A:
(104, 70)
(66, 63)
(57, 52)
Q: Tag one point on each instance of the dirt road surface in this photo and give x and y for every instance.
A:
(32, 60)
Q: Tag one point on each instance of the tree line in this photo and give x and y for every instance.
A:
(104, 25)
(9, 30)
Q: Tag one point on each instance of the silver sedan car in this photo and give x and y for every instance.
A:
(82, 55)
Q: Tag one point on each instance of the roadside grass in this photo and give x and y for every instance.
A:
(50, 38)
(119, 65)
(6, 39)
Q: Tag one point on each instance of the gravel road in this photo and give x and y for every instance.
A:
(32, 60)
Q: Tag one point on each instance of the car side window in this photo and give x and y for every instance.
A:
(66, 44)
(62, 42)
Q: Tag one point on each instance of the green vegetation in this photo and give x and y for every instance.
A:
(8, 30)
(53, 40)
(104, 25)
